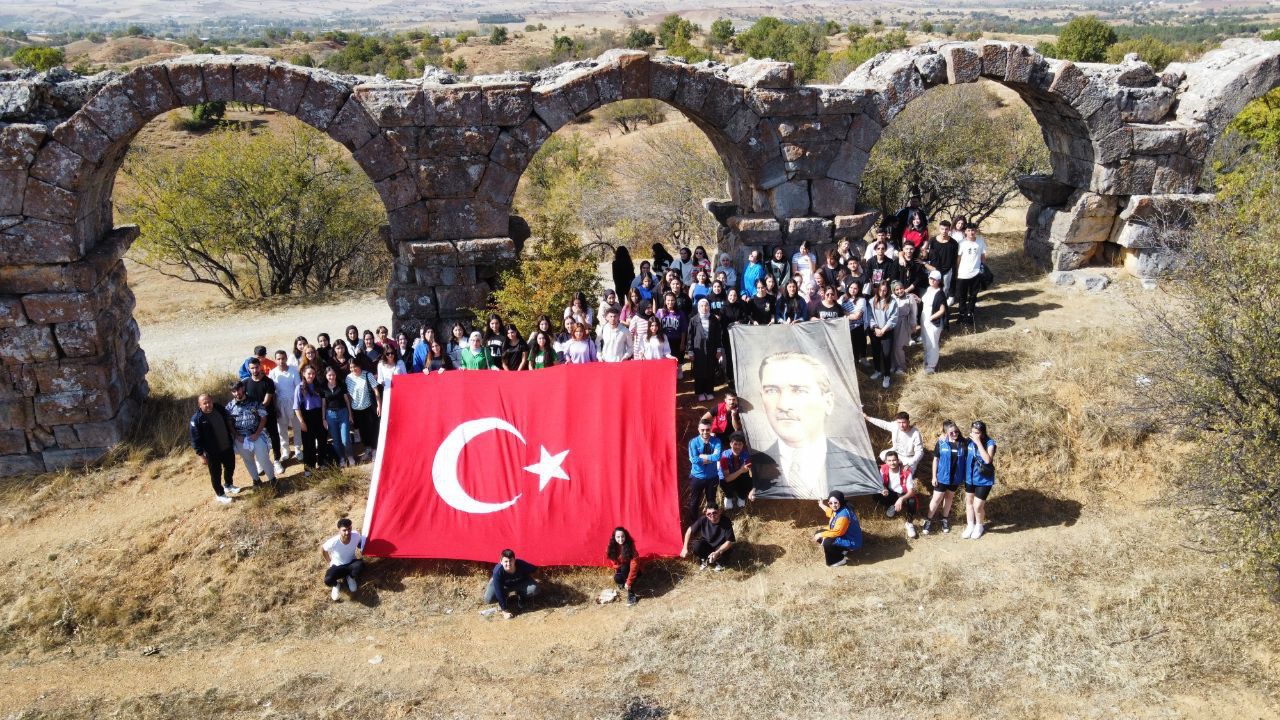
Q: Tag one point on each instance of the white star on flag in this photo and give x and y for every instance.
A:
(547, 467)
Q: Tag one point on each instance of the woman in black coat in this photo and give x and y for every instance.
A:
(704, 343)
(624, 271)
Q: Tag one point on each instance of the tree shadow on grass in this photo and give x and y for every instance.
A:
(979, 358)
(1025, 509)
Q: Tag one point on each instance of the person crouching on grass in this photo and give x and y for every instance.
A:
(344, 552)
(898, 496)
(510, 576)
(843, 534)
(626, 562)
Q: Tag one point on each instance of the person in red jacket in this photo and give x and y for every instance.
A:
(626, 562)
(898, 496)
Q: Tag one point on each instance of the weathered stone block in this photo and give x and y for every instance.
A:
(437, 275)
(1114, 146)
(62, 459)
(409, 222)
(14, 465)
(379, 159)
(849, 162)
(995, 59)
(285, 87)
(83, 138)
(250, 77)
(398, 190)
(1019, 63)
(19, 143)
(1068, 80)
(13, 185)
(932, 68)
(455, 141)
(453, 219)
(82, 339)
(11, 312)
(92, 376)
(219, 78)
(352, 126)
(13, 442)
(608, 85)
(812, 128)
(405, 141)
(1072, 256)
(17, 413)
(450, 176)
(62, 408)
(774, 103)
(790, 199)
(323, 98)
(49, 202)
(1175, 174)
(507, 106)
(51, 308)
(413, 301)
(1145, 105)
(1044, 190)
(186, 80)
(721, 210)
(579, 89)
(741, 124)
(815, 231)
(553, 109)
(806, 161)
(498, 185)
(461, 297)
(1157, 139)
(854, 227)
(832, 197)
(36, 241)
(963, 65)
(763, 74)
(57, 165)
(664, 78)
(392, 104)
(864, 131)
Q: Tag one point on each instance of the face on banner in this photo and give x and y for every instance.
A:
(801, 393)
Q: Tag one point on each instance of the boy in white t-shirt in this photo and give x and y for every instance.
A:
(970, 257)
(344, 553)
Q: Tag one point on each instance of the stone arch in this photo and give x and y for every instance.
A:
(80, 160)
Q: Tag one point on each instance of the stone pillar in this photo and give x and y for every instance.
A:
(73, 374)
(438, 282)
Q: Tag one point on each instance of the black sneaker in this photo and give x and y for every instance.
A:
(946, 525)
(928, 527)
(632, 599)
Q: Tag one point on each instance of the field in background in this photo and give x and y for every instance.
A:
(1093, 595)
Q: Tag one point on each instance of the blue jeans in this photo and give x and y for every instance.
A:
(340, 432)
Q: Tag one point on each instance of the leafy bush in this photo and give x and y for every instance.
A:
(498, 35)
(1214, 358)
(1154, 51)
(257, 215)
(1085, 39)
(39, 58)
(200, 116)
(639, 39)
(803, 45)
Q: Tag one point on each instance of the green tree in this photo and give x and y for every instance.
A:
(926, 27)
(498, 35)
(1255, 130)
(673, 26)
(721, 32)
(1214, 360)
(562, 46)
(805, 46)
(639, 39)
(1047, 49)
(305, 60)
(256, 215)
(1085, 39)
(855, 32)
(959, 149)
(39, 58)
(458, 65)
(629, 114)
(1154, 51)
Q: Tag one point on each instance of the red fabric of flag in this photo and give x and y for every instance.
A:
(545, 462)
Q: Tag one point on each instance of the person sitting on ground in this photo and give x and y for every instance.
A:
(905, 438)
(248, 420)
(259, 354)
(709, 538)
(727, 419)
(950, 467)
(898, 496)
(212, 438)
(626, 562)
(843, 534)
(344, 552)
(979, 480)
(510, 576)
(735, 472)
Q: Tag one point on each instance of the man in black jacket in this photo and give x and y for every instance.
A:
(212, 438)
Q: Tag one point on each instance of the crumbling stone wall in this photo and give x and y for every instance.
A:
(446, 153)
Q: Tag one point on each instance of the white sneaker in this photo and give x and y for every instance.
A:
(351, 584)
(306, 473)
(875, 375)
(911, 530)
(728, 503)
(278, 469)
(231, 490)
(718, 567)
(977, 532)
(890, 511)
(885, 384)
(951, 302)
(742, 503)
(222, 499)
(899, 372)
(929, 371)
(968, 530)
(333, 594)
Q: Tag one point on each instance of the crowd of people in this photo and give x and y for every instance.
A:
(321, 402)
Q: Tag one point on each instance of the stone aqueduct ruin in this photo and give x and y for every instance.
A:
(446, 155)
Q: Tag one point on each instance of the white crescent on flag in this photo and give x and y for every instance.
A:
(444, 468)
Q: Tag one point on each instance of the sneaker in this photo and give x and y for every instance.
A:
(231, 490)
(911, 530)
(839, 563)
(968, 531)
(278, 469)
(742, 503)
(704, 564)
(929, 371)
(222, 499)
(946, 525)
(728, 503)
(632, 599)
(951, 302)
(875, 375)
(927, 528)
(351, 584)
(306, 473)
(333, 593)
(890, 511)
(899, 372)
(718, 567)
(978, 531)
(885, 384)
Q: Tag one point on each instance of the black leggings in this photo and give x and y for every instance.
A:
(882, 351)
(313, 437)
(701, 549)
(273, 432)
(859, 336)
(221, 466)
(832, 551)
(967, 296)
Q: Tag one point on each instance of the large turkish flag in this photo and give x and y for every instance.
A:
(545, 462)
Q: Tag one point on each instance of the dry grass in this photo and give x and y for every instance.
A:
(1090, 596)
